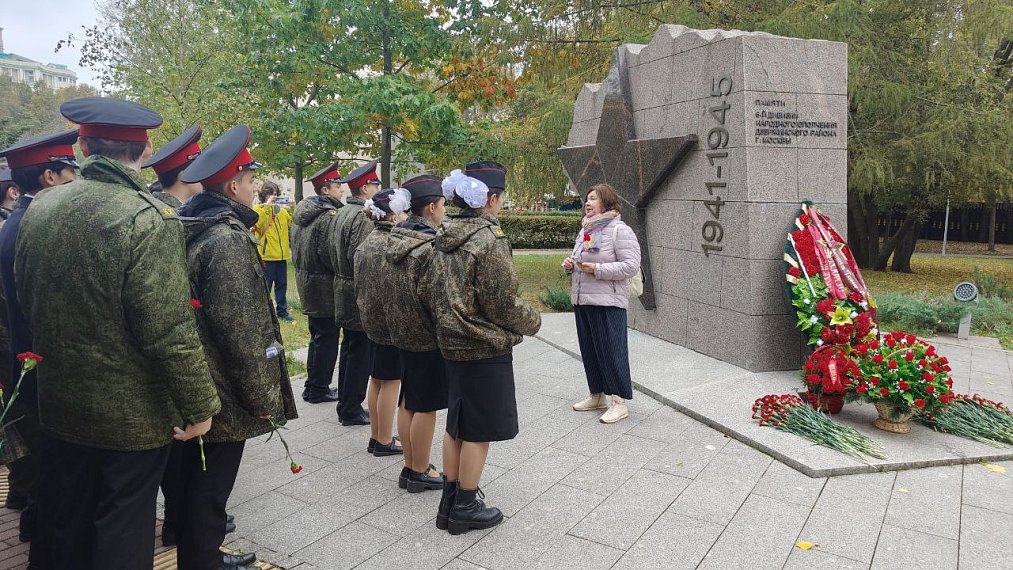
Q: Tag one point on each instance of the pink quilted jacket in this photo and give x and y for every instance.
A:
(617, 262)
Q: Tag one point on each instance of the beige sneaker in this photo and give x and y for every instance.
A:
(617, 412)
(592, 402)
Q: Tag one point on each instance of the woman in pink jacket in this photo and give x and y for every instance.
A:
(604, 258)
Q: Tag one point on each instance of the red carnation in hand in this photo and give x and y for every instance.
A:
(892, 364)
(884, 392)
(24, 356)
(903, 386)
(195, 303)
(920, 403)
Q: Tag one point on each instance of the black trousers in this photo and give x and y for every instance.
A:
(202, 506)
(354, 367)
(322, 357)
(276, 273)
(100, 506)
(172, 487)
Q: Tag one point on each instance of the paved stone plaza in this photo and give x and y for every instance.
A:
(659, 490)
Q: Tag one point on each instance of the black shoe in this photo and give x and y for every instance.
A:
(360, 420)
(168, 536)
(371, 445)
(329, 396)
(238, 559)
(286, 318)
(230, 518)
(418, 482)
(470, 512)
(446, 504)
(392, 448)
(402, 479)
(230, 528)
(16, 501)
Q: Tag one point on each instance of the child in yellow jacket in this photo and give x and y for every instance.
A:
(272, 232)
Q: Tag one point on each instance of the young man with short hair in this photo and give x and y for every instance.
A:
(172, 159)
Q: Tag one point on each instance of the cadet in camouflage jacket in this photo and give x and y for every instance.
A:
(351, 227)
(472, 289)
(101, 276)
(235, 317)
(372, 286)
(313, 231)
(409, 251)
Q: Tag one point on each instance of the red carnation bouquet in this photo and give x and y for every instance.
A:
(789, 413)
(829, 373)
(904, 370)
(973, 417)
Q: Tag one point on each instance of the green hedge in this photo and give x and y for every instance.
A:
(535, 231)
(991, 316)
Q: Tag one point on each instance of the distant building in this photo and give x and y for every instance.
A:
(24, 70)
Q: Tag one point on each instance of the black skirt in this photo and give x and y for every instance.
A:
(386, 362)
(481, 404)
(424, 385)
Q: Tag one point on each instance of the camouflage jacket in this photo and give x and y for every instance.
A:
(101, 276)
(351, 227)
(412, 325)
(169, 199)
(312, 233)
(472, 289)
(235, 317)
(372, 283)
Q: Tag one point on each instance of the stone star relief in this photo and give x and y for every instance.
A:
(636, 168)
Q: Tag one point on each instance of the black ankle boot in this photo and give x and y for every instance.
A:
(470, 512)
(446, 503)
(418, 482)
(402, 479)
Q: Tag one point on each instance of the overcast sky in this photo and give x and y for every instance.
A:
(32, 28)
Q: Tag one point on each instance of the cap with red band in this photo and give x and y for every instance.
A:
(113, 119)
(365, 174)
(178, 152)
(327, 174)
(224, 158)
(57, 147)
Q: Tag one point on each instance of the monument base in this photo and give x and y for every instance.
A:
(721, 395)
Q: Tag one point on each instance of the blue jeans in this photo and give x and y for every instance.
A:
(276, 273)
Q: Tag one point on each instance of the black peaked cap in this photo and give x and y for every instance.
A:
(218, 155)
(188, 137)
(110, 112)
(492, 173)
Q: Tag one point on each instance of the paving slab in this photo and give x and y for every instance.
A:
(903, 548)
(675, 541)
(721, 396)
(762, 532)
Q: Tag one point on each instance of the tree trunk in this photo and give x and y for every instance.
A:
(298, 181)
(905, 248)
(863, 231)
(888, 247)
(991, 227)
(388, 69)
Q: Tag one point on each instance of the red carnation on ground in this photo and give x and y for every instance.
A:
(295, 467)
(195, 303)
(920, 403)
(945, 398)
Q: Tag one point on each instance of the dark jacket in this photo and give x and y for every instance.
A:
(472, 289)
(373, 283)
(410, 250)
(20, 335)
(101, 276)
(312, 234)
(351, 227)
(237, 322)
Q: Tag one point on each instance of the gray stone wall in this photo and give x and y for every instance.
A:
(771, 113)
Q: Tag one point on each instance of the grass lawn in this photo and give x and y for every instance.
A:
(935, 276)
(535, 273)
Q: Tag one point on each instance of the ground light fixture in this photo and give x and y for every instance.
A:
(965, 292)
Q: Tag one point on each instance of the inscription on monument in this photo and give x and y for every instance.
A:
(775, 124)
(712, 232)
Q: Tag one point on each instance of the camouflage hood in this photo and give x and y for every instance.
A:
(408, 236)
(311, 208)
(206, 209)
(457, 233)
